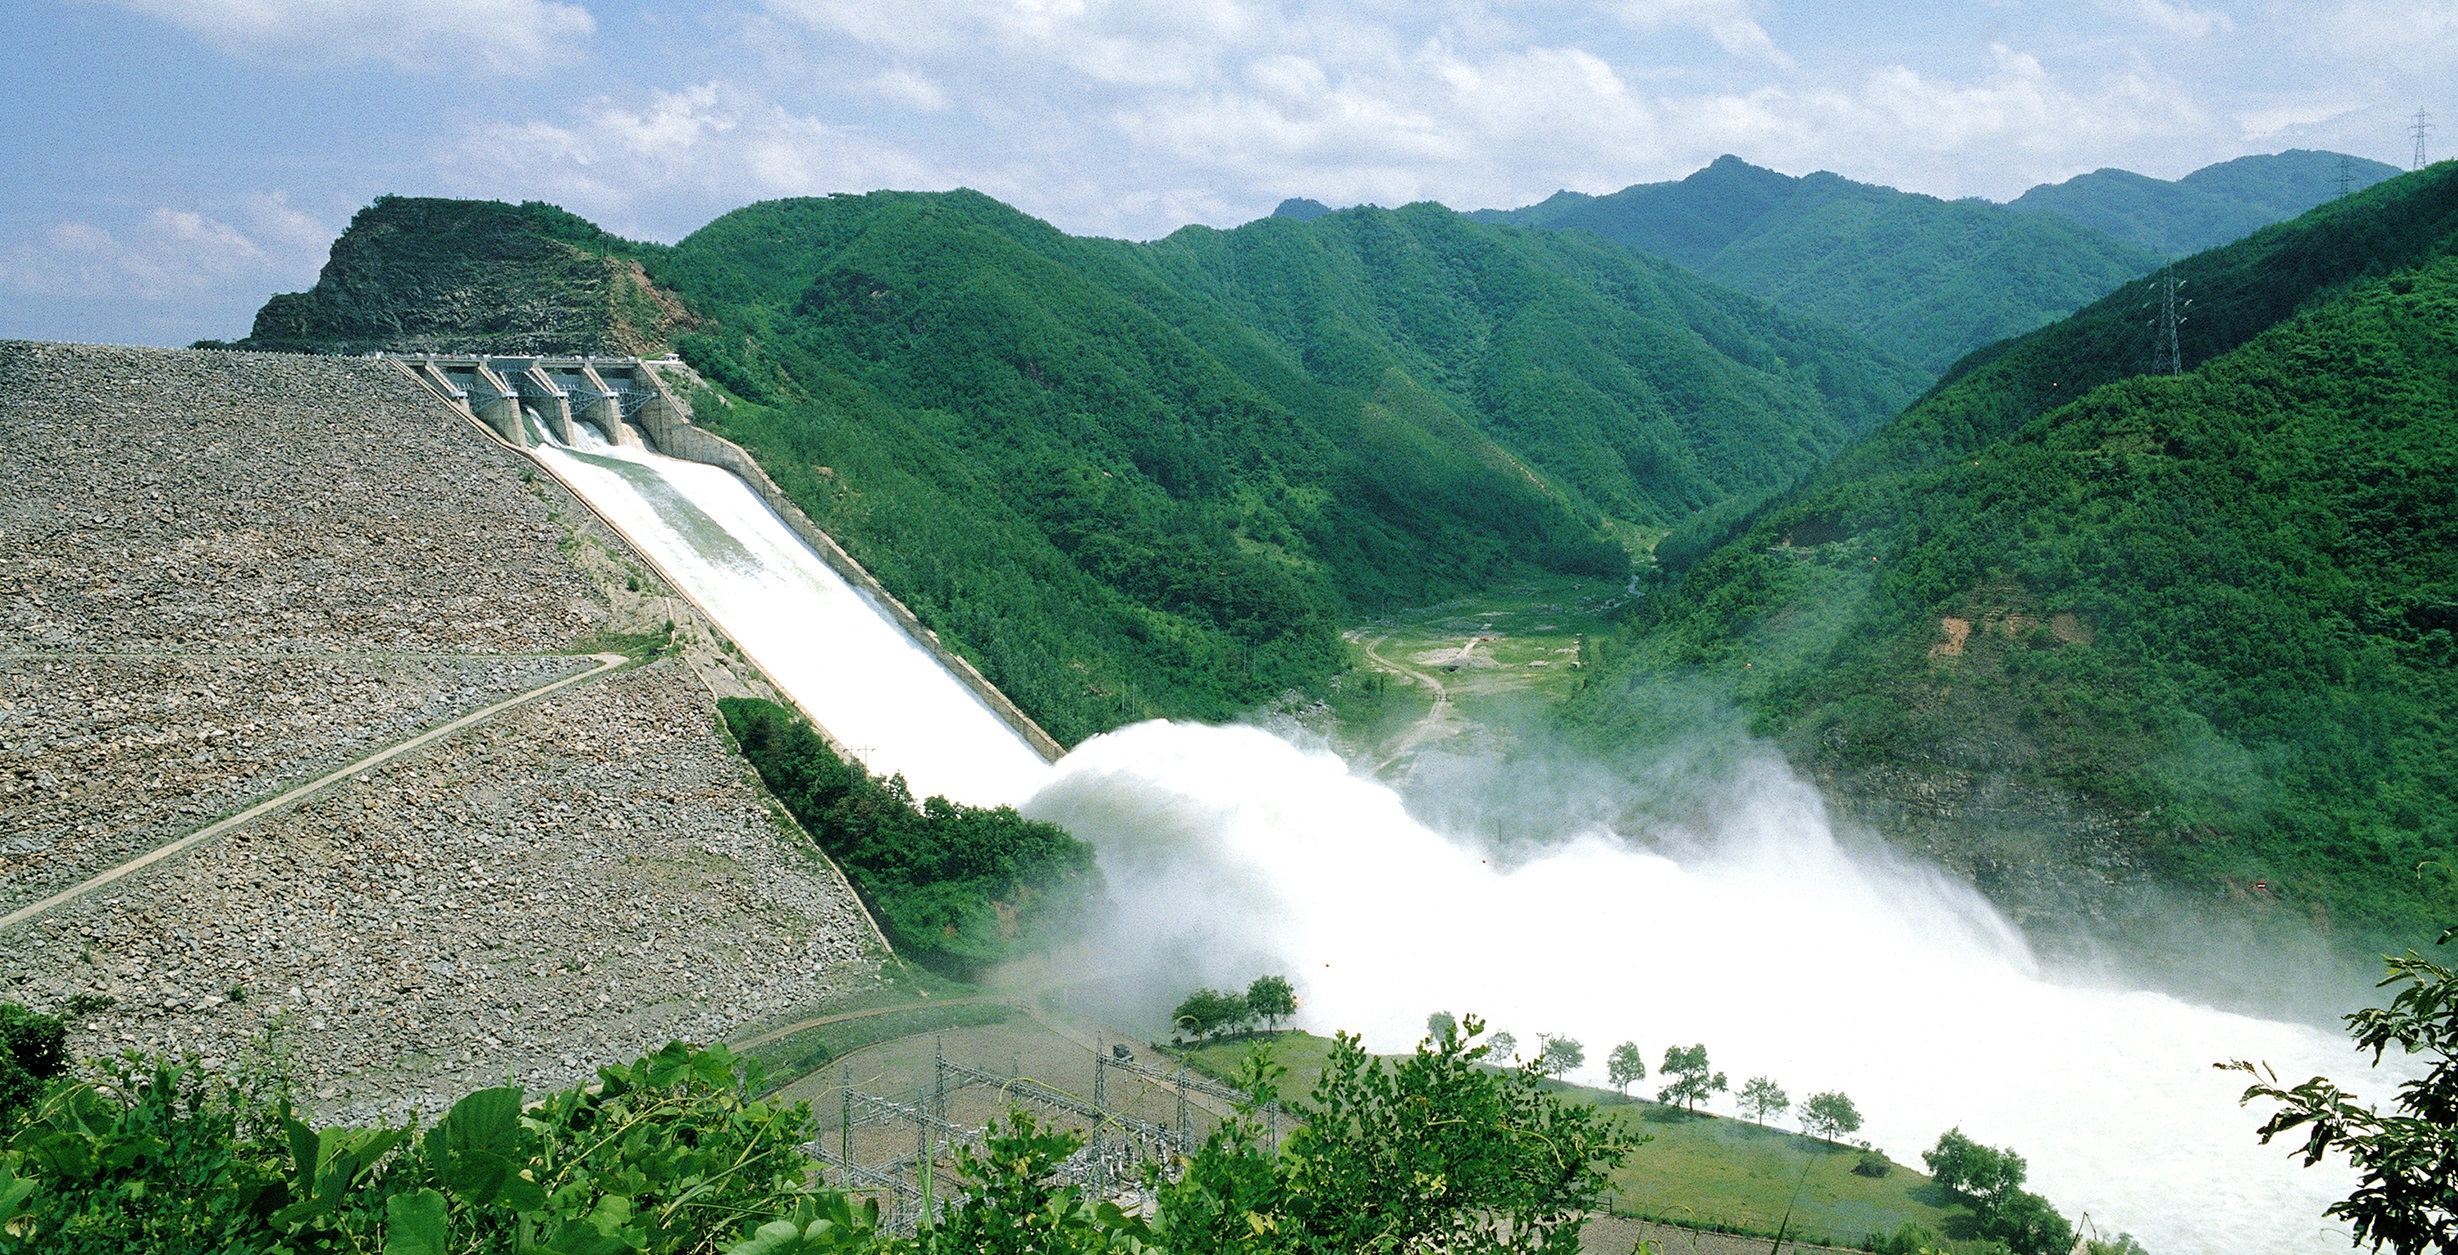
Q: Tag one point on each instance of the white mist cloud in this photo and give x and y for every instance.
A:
(1752, 929)
(445, 36)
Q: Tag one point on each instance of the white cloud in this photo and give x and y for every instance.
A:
(711, 144)
(1128, 119)
(2380, 36)
(2270, 120)
(1729, 22)
(167, 254)
(518, 36)
(911, 90)
(2174, 19)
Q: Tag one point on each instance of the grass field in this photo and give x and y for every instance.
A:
(1468, 668)
(1698, 1170)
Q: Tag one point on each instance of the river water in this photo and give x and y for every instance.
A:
(1234, 852)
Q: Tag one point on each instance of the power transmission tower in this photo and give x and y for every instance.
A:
(2421, 127)
(2347, 173)
(2167, 356)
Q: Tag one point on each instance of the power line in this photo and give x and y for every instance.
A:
(2421, 127)
(2167, 356)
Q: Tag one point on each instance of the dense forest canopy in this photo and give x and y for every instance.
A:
(1134, 480)
(2215, 607)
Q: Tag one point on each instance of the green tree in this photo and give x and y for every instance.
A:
(2028, 1225)
(1982, 1176)
(1558, 1057)
(957, 887)
(1440, 1023)
(1763, 1098)
(1990, 1181)
(1502, 1047)
(1271, 998)
(1624, 1066)
(1688, 1080)
(2407, 1199)
(1830, 1115)
(1437, 1153)
(1209, 1011)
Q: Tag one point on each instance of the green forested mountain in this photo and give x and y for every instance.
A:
(1927, 280)
(1134, 479)
(2207, 208)
(2207, 618)
(1150, 479)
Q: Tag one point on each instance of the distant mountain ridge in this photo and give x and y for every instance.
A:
(1926, 279)
(1931, 280)
(2207, 208)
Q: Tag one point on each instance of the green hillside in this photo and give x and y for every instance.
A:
(1133, 480)
(1925, 279)
(2194, 626)
(2207, 208)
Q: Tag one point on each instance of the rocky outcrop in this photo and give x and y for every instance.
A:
(416, 274)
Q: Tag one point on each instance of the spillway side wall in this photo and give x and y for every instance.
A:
(675, 435)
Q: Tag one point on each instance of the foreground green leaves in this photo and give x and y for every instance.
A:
(667, 1156)
(2408, 1199)
(671, 1155)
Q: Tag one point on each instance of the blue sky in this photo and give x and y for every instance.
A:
(171, 162)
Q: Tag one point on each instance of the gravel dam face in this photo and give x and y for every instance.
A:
(225, 574)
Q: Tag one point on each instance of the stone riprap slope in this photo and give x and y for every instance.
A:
(105, 756)
(224, 574)
(254, 501)
(584, 879)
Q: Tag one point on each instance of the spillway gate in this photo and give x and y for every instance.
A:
(623, 397)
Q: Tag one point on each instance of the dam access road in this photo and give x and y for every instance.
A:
(223, 575)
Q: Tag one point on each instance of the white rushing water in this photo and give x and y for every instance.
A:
(829, 644)
(1233, 852)
(1768, 941)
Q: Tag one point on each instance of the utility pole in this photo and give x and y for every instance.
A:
(2167, 356)
(2421, 127)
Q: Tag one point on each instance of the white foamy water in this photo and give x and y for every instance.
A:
(1781, 951)
(829, 644)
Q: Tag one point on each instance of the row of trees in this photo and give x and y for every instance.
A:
(1689, 1079)
(1208, 1013)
